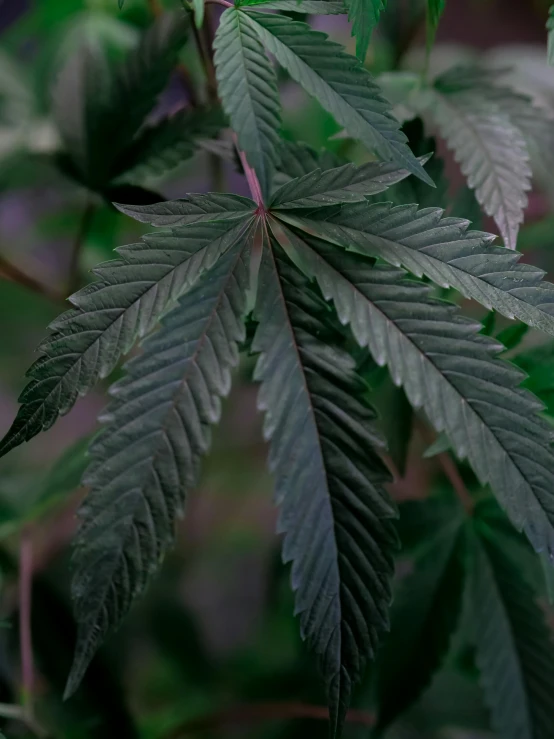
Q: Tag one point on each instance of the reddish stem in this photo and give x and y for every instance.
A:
(25, 641)
(219, 2)
(251, 177)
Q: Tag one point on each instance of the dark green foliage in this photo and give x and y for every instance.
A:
(330, 280)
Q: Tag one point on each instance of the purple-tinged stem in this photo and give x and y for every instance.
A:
(251, 177)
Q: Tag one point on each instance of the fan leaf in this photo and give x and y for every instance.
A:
(247, 85)
(340, 84)
(197, 208)
(334, 511)
(313, 7)
(147, 459)
(109, 315)
(452, 372)
(514, 649)
(364, 16)
(444, 250)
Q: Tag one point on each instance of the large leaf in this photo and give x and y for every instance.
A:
(126, 301)
(247, 85)
(424, 615)
(147, 458)
(340, 84)
(491, 151)
(451, 371)
(334, 511)
(444, 250)
(514, 654)
(364, 16)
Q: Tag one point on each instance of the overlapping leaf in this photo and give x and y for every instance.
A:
(334, 511)
(340, 84)
(364, 16)
(490, 149)
(451, 371)
(196, 208)
(247, 85)
(424, 615)
(124, 303)
(514, 653)
(444, 250)
(147, 458)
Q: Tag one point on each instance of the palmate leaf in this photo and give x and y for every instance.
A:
(425, 612)
(147, 458)
(340, 84)
(348, 183)
(444, 250)
(109, 315)
(364, 16)
(247, 85)
(334, 511)
(490, 149)
(514, 653)
(451, 371)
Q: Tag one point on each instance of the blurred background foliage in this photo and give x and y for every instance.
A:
(213, 650)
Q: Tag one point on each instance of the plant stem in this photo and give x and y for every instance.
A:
(251, 177)
(14, 274)
(259, 712)
(84, 225)
(25, 641)
(224, 3)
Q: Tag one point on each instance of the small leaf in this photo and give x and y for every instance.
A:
(435, 8)
(514, 648)
(198, 7)
(424, 615)
(247, 85)
(335, 514)
(343, 88)
(440, 445)
(511, 336)
(364, 16)
(147, 458)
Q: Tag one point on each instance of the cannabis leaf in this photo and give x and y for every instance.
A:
(435, 9)
(490, 149)
(342, 87)
(550, 29)
(248, 89)
(424, 615)
(109, 315)
(147, 458)
(329, 478)
(196, 208)
(314, 7)
(364, 16)
(451, 371)
(443, 249)
(514, 648)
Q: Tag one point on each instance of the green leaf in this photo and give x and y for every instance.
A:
(247, 85)
(312, 7)
(490, 149)
(329, 478)
(435, 8)
(109, 315)
(440, 445)
(364, 16)
(164, 146)
(396, 421)
(147, 459)
(198, 7)
(511, 336)
(514, 648)
(550, 29)
(451, 371)
(99, 113)
(194, 209)
(444, 250)
(348, 183)
(343, 88)
(424, 616)
(299, 159)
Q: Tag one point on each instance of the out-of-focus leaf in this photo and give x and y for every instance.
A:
(440, 445)
(511, 336)
(550, 29)
(435, 8)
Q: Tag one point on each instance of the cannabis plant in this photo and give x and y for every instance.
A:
(329, 272)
